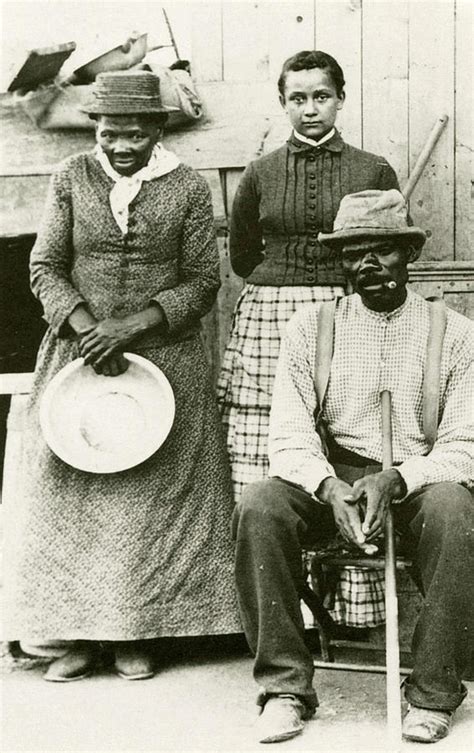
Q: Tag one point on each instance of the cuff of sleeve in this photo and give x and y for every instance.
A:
(308, 477)
(58, 319)
(316, 477)
(412, 474)
(172, 305)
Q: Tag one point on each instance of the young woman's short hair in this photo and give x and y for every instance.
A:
(308, 59)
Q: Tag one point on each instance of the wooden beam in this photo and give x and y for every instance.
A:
(16, 384)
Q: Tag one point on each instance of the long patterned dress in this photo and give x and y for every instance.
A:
(145, 552)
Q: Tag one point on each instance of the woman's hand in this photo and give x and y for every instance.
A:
(105, 339)
(115, 365)
(102, 346)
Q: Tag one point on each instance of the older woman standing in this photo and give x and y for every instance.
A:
(126, 260)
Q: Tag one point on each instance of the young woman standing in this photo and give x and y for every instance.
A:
(283, 201)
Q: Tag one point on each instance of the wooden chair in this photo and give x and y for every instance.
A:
(318, 565)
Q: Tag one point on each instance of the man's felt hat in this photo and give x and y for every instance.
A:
(126, 93)
(370, 215)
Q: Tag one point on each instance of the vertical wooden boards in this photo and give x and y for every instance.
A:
(338, 32)
(292, 30)
(231, 284)
(385, 82)
(245, 35)
(206, 41)
(431, 92)
(218, 323)
(464, 113)
(232, 180)
(213, 180)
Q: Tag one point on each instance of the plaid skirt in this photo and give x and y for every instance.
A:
(245, 389)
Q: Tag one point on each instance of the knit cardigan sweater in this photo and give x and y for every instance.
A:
(286, 198)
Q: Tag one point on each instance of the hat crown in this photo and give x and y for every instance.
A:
(384, 210)
(127, 84)
(126, 93)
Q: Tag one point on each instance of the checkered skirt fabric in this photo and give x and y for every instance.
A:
(245, 392)
(246, 381)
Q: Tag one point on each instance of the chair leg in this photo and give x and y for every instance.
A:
(323, 619)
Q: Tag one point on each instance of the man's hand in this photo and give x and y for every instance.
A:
(375, 492)
(336, 493)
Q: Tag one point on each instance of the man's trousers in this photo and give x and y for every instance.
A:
(275, 520)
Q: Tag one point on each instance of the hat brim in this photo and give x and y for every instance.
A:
(415, 235)
(105, 109)
(99, 425)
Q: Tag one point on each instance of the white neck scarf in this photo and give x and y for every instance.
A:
(127, 187)
(313, 142)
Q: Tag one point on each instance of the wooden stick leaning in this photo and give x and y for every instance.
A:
(420, 165)
(424, 156)
(392, 648)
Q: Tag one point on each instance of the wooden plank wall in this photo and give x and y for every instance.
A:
(406, 62)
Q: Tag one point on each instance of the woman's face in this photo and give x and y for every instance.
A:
(127, 140)
(311, 102)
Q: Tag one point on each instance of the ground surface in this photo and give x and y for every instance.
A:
(202, 699)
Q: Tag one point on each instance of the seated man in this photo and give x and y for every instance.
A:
(380, 342)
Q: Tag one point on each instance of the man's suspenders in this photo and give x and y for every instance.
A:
(434, 349)
(431, 379)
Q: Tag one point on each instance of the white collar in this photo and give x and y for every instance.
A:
(313, 142)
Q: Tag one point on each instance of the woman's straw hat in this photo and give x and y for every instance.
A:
(105, 424)
(126, 93)
(371, 215)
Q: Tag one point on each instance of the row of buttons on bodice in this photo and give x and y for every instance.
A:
(311, 218)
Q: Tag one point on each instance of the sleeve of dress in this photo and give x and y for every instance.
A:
(245, 243)
(387, 177)
(199, 269)
(452, 456)
(51, 257)
(294, 446)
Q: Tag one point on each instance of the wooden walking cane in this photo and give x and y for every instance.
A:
(392, 649)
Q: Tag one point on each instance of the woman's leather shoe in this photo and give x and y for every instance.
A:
(79, 662)
(132, 662)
